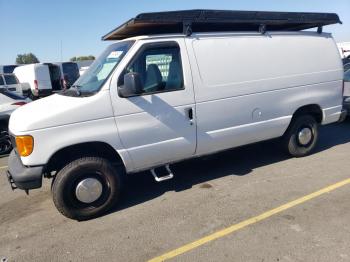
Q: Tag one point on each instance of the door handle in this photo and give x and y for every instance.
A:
(190, 114)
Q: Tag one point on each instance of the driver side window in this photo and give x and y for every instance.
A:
(159, 69)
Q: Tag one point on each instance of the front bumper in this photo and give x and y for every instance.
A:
(21, 176)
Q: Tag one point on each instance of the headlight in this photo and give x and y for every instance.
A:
(25, 145)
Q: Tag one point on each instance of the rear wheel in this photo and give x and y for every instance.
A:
(301, 136)
(86, 188)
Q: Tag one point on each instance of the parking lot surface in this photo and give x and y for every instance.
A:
(207, 195)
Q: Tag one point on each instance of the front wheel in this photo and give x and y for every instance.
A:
(86, 188)
(301, 136)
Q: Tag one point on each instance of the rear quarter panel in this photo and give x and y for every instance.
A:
(249, 85)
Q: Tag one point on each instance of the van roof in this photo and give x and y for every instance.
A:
(188, 21)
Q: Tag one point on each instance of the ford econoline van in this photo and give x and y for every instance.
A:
(178, 85)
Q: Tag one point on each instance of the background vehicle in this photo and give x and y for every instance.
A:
(8, 103)
(10, 83)
(83, 69)
(38, 77)
(69, 73)
(84, 64)
(7, 69)
(346, 67)
(347, 90)
(55, 77)
(149, 101)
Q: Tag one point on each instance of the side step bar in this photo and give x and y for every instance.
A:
(168, 176)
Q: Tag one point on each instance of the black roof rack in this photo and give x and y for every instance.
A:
(188, 21)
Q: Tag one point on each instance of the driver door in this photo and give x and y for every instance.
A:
(157, 126)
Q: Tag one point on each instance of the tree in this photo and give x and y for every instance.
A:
(29, 58)
(82, 58)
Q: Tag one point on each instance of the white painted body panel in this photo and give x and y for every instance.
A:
(15, 88)
(155, 129)
(248, 86)
(7, 105)
(243, 88)
(84, 119)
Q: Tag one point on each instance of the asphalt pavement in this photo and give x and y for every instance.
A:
(207, 195)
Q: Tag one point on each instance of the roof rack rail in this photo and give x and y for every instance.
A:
(188, 21)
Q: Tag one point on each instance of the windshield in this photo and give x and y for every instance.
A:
(93, 79)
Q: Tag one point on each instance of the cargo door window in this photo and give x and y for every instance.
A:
(55, 76)
(159, 67)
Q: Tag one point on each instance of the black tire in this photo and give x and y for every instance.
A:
(64, 185)
(291, 142)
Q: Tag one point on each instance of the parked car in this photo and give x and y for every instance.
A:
(346, 67)
(8, 103)
(83, 69)
(347, 90)
(10, 83)
(7, 69)
(43, 79)
(69, 72)
(149, 101)
(84, 64)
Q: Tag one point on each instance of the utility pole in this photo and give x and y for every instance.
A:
(61, 52)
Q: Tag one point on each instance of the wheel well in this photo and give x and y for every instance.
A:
(314, 110)
(64, 155)
(4, 122)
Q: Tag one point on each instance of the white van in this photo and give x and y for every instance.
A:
(43, 79)
(152, 99)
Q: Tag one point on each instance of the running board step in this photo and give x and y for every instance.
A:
(169, 173)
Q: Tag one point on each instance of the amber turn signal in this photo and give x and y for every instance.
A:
(25, 145)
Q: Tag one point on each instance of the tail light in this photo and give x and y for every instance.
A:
(63, 84)
(36, 87)
(19, 103)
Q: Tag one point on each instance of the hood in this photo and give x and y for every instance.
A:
(57, 110)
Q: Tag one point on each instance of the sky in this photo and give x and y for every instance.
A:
(58, 30)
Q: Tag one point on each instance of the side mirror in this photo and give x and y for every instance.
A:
(132, 85)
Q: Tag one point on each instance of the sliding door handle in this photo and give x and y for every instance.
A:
(189, 112)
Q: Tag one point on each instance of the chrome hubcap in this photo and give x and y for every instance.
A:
(305, 136)
(88, 190)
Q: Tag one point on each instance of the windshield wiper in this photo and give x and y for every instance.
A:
(76, 89)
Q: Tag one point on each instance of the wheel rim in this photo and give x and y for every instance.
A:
(305, 136)
(71, 197)
(88, 190)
